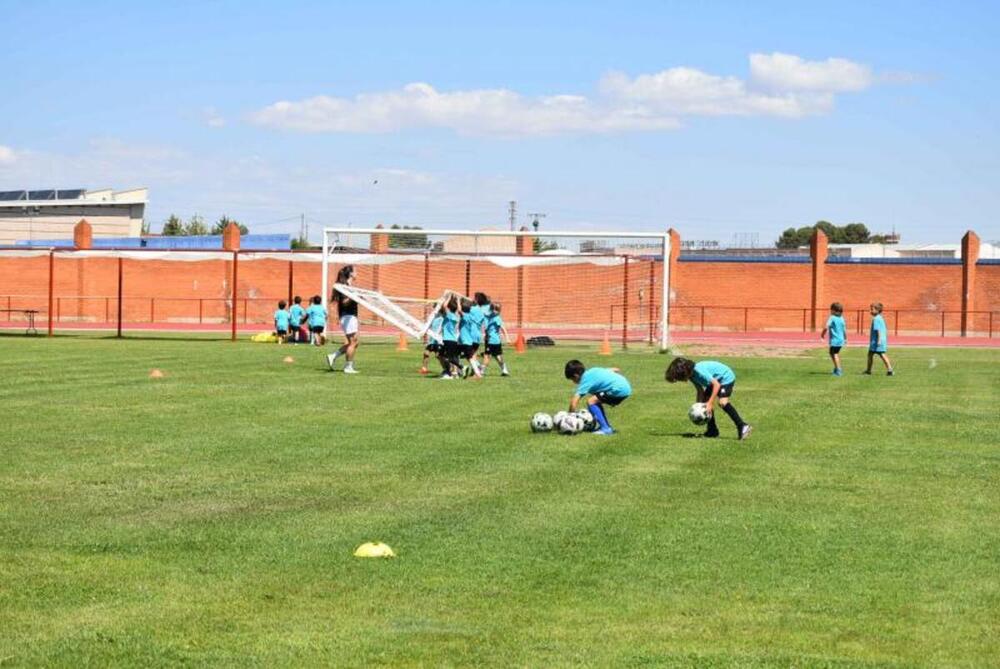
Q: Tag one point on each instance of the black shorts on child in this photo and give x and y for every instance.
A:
(432, 346)
(494, 349)
(451, 349)
(469, 350)
(610, 400)
(318, 329)
(835, 349)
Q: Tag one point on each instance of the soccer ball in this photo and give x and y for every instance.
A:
(558, 417)
(541, 422)
(571, 424)
(589, 424)
(698, 413)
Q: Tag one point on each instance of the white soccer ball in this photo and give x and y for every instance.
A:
(541, 422)
(558, 417)
(698, 413)
(589, 424)
(571, 424)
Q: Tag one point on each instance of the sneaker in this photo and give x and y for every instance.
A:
(745, 431)
(504, 372)
(350, 370)
(446, 377)
(838, 372)
(466, 371)
(604, 432)
(890, 373)
(866, 373)
(330, 359)
(711, 434)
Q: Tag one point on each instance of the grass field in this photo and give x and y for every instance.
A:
(209, 517)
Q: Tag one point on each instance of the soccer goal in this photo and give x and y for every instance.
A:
(562, 285)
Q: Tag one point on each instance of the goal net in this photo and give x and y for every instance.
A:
(564, 285)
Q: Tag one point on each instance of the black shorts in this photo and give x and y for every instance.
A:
(469, 350)
(282, 333)
(451, 349)
(610, 400)
(835, 349)
(318, 329)
(432, 346)
(494, 349)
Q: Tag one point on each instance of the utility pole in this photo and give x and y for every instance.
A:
(303, 230)
(512, 210)
(535, 217)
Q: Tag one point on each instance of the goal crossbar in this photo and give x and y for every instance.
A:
(384, 307)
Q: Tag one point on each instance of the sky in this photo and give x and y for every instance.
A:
(724, 120)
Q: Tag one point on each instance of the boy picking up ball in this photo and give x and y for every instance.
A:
(601, 386)
(712, 380)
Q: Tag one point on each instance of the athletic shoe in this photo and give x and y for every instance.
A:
(350, 370)
(446, 377)
(330, 359)
(838, 372)
(466, 371)
(866, 373)
(504, 372)
(745, 431)
(890, 373)
(604, 432)
(711, 434)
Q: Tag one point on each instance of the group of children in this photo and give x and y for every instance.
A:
(457, 331)
(878, 339)
(301, 325)
(603, 387)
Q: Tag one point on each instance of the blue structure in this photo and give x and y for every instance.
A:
(200, 242)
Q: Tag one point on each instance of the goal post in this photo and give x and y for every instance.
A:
(564, 285)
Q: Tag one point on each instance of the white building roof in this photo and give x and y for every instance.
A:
(77, 197)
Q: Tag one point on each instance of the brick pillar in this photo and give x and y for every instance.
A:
(83, 235)
(525, 245)
(380, 241)
(231, 237)
(970, 254)
(675, 254)
(818, 251)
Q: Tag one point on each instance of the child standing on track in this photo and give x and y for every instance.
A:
(712, 380)
(837, 328)
(295, 317)
(316, 316)
(878, 340)
(494, 344)
(602, 385)
(281, 322)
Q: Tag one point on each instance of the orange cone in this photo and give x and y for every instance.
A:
(519, 344)
(605, 346)
(289, 358)
(402, 345)
(155, 374)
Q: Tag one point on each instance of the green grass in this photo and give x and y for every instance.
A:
(209, 517)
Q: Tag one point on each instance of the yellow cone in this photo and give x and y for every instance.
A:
(289, 358)
(374, 549)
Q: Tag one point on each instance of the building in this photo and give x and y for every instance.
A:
(986, 250)
(27, 215)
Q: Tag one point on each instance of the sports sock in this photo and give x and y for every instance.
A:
(711, 427)
(732, 413)
(597, 411)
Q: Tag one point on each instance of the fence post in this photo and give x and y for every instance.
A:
(235, 307)
(895, 329)
(291, 277)
(468, 277)
(803, 320)
(625, 306)
(52, 273)
(201, 309)
(152, 310)
(942, 322)
(652, 303)
(702, 318)
(746, 318)
(120, 275)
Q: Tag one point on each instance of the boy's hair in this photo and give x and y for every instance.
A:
(877, 306)
(496, 307)
(837, 308)
(344, 273)
(453, 304)
(297, 300)
(482, 299)
(317, 299)
(574, 369)
(680, 369)
(466, 305)
(282, 304)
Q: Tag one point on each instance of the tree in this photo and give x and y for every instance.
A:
(539, 245)
(196, 226)
(793, 239)
(173, 227)
(852, 233)
(300, 243)
(221, 224)
(417, 242)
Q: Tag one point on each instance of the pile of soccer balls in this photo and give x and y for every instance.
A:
(564, 422)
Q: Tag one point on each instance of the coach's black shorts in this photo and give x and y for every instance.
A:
(610, 400)
(835, 349)
(318, 329)
(494, 349)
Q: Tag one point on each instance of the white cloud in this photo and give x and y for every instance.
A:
(781, 85)
(7, 155)
(213, 118)
(785, 72)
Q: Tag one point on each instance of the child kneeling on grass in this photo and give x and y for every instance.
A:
(711, 380)
(603, 385)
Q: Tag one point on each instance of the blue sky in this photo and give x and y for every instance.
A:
(714, 118)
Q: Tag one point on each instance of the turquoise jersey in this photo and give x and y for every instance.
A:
(316, 315)
(472, 324)
(879, 338)
(706, 370)
(493, 325)
(598, 380)
(449, 327)
(436, 324)
(837, 329)
(281, 320)
(295, 315)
